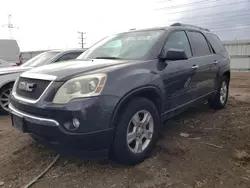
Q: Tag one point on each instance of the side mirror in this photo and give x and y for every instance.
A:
(173, 54)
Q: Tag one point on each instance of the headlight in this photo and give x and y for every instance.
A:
(84, 86)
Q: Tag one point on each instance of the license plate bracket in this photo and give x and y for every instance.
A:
(18, 122)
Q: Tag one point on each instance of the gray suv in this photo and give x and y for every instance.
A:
(112, 100)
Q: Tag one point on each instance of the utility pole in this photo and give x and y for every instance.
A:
(10, 25)
(82, 39)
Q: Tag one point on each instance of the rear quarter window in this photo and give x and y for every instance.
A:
(216, 43)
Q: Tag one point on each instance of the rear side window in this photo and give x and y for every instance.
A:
(69, 56)
(199, 43)
(216, 43)
(178, 40)
(40, 59)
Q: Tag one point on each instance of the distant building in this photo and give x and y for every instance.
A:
(239, 51)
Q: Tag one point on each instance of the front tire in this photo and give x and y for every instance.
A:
(220, 99)
(5, 92)
(136, 132)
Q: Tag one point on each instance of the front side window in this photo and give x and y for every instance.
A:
(199, 43)
(131, 45)
(178, 40)
(40, 59)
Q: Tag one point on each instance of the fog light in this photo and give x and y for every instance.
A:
(72, 125)
(76, 123)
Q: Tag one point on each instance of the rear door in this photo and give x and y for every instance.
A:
(178, 75)
(221, 55)
(206, 60)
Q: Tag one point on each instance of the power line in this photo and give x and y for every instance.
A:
(224, 23)
(163, 1)
(188, 4)
(226, 27)
(221, 19)
(232, 30)
(219, 22)
(222, 26)
(82, 39)
(211, 17)
(207, 7)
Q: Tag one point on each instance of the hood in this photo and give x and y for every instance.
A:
(71, 68)
(11, 70)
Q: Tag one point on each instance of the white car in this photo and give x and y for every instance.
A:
(9, 75)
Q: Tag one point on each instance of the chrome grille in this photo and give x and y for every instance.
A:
(34, 90)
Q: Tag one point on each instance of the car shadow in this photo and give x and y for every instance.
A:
(170, 129)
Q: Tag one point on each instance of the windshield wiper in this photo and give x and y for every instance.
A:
(107, 57)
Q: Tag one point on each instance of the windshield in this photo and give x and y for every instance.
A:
(132, 45)
(40, 59)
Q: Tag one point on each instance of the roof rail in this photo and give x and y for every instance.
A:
(187, 25)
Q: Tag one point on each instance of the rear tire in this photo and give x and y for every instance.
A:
(136, 132)
(220, 99)
(5, 92)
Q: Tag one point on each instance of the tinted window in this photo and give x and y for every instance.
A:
(216, 43)
(130, 45)
(40, 59)
(199, 44)
(178, 40)
(69, 56)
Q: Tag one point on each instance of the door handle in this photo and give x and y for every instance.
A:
(195, 67)
(216, 62)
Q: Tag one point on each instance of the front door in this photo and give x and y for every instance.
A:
(178, 76)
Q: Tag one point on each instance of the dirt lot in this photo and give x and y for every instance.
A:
(177, 162)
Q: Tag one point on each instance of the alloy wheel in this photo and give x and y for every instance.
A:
(223, 92)
(5, 99)
(140, 131)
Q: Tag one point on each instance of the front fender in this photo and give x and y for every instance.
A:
(128, 81)
(8, 78)
(135, 92)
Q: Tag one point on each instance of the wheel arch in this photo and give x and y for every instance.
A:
(227, 74)
(152, 93)
(7, 83)
(2, 89)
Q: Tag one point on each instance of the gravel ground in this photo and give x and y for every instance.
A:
(177, 161)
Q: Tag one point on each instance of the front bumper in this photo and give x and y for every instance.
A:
(93, 138)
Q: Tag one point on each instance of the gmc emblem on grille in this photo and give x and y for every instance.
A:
(27, 86)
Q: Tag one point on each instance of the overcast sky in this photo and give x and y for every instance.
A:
(44, 24)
